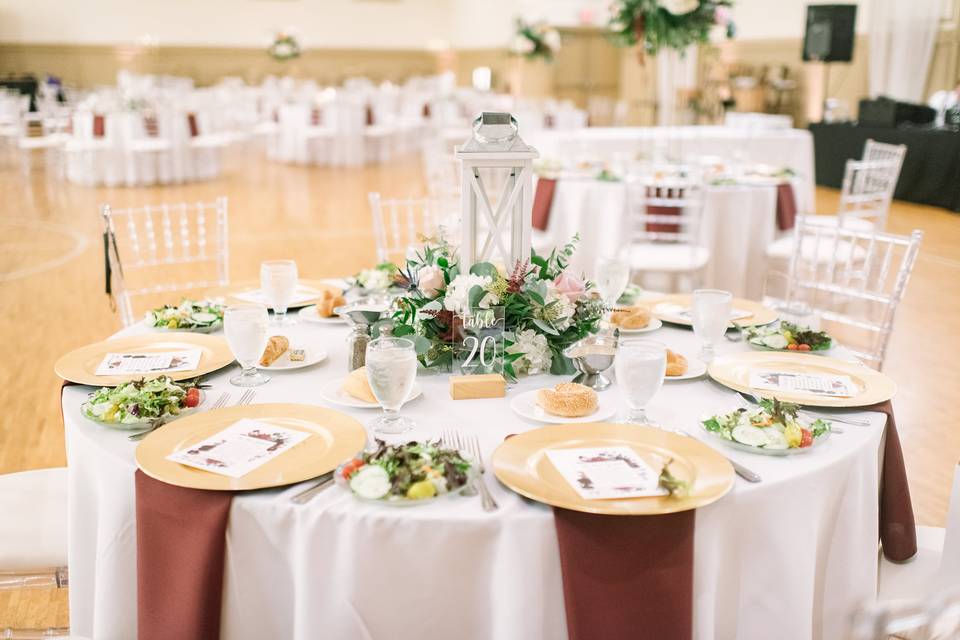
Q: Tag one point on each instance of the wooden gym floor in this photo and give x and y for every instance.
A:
(51, 287)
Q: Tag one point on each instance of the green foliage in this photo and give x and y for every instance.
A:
(649, 24)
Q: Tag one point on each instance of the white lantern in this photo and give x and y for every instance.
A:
(496, 230)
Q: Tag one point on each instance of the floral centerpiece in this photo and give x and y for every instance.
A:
(537, 40)
(284, 47)
(375, 280)
(546, 307)
(668, 24)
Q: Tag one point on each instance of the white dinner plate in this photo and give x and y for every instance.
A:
(695, 368)
(309, 314)
(525, 405)
(313, 355)
(655, 323)
(332, 391)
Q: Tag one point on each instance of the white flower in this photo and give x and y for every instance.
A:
(552, 39)
(374, 279)
(430, 280)
(679, 7)
(562, 309)
(522, 45)
(536, 356)
(457, 297)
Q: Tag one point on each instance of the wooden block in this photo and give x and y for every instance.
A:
(487, 385)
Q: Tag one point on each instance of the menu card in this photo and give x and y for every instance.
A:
(606, 472)
(160, 362)
(824, 385)
(300, 295)
(240, 448)
(681, 311)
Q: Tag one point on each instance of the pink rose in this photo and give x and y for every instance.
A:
(721, 16)
(569, 285)
(430, 280)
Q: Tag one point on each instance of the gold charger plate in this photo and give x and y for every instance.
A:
(734, 372)
(759, 313)
(522, 464)
(336, 437)
(229, 293)
(80, 365)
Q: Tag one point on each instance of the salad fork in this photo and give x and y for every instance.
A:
(246, 398)
(489, 504)
(453, 440)
(159, 422)
(755, 399)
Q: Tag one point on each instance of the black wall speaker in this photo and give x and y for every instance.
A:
(830, 32)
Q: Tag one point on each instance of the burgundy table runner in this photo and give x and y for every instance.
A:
(898, 530)
(370, 118)
(99, 125)
(627, 577)
(181, 540)
(192, 125)
(542, 202)
(786, 206)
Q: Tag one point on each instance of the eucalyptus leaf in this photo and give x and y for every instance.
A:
(545, 327)
(484, 269)
(421, 344)
(561, 366)
(476, 295)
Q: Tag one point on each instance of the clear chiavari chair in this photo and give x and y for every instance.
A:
(157, 249)
(936, 617)
(874, 151)
(400, 225)
(852, 279)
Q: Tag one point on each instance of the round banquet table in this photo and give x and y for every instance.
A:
(738, 223)
(787, 558)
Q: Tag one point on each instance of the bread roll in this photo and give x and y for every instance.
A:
(568, 399)
(329, 301)
(676, 364)
(276, 346)
(631, 318)
(357, 385)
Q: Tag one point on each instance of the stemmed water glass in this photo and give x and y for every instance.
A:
(391, 371)
(245, 326)
(278, 282)
(640, 366)
(710, 311)
(612, 276)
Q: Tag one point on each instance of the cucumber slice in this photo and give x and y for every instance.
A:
(750, 435)
(776, 341)
(201, 317)
(371, 482)
(776, 439)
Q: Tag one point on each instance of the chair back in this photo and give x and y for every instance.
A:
(934, 618)
(401, 224)
(162, 248)
(664, 210)
(854, 279)
(868, 187)
(874, 151)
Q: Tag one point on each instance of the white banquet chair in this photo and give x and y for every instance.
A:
(400, 225)
(853, 279)
(665, 243)
(161, 248)
(34, 534)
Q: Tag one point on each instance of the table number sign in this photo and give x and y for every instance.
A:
(478, 341)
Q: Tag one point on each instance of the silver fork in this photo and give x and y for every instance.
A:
(452, 440)
(246, 398)
(755, 399)
(489, 504)
(156, 424)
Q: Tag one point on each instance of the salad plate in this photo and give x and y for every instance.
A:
(869, 386)
(142, 402)
(653, 325)
(525, 405)
(521, 463)
(312, 356)
(404, 475)
(787, 336)
(204, 316)
(334, 437)
(675, 309)
(80, 365)
(310, 314)
(772, 428)
(332, 391)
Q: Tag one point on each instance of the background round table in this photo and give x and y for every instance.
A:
(789, 557)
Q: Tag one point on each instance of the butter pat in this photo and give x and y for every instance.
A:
(488, 385)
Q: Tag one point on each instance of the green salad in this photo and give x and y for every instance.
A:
(141, 401)
(787, 336)
(405, 472)
(189, 315)
(771, 425)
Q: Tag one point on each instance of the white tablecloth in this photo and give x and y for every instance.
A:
(737, 225)
(791, 148)
(788, 558)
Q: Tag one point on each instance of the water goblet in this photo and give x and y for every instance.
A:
(640, 366)
(278, 282)
(391, 371)
(245, 326)
(710, 312)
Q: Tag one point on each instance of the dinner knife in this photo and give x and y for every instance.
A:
(308, 494)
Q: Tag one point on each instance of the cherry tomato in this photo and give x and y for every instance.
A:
(350, 468)
(804, 347)
(192, 398)
(806, 438)
(792, 347)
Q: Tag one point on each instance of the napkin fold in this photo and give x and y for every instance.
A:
(627, 577)
(898, 529)
(542, 202)
(786, 206)
(181, 540)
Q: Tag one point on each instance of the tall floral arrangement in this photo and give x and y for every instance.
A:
(535, 40)
(546, 307)
(668, 24)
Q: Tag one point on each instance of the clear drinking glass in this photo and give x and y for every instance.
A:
(612, 276)
(246, 328)
(391, 371)
(278, 281)
(640, 366)
(711, 317)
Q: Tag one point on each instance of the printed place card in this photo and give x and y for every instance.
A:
(114, 364)
(300, 295)
(824, 385)
(606, 472)
(240, 448)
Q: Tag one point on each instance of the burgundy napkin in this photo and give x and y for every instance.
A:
(192, 124)
(542, 201)
(371, 120)
(627, 577)
(662, 210)
(426, 110)
(99, 125)
(150, 125)
(786, 206)
(316, 117)
(549, 121)
(898, 530)
(181, 540)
